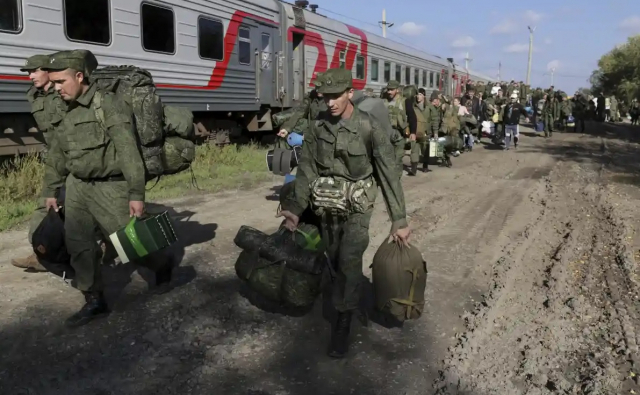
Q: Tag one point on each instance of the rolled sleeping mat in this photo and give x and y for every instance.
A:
(281, 161)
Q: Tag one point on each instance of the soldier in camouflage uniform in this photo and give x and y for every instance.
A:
(345, 148)
(550, 114)
(47, 109)
(312, 105)
(104, 176)
(398, 117)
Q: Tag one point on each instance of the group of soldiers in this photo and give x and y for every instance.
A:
(93, 171)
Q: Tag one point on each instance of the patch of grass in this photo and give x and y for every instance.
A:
(215, 169)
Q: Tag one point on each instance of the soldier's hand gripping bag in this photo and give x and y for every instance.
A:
(49, 245)
(399, 280)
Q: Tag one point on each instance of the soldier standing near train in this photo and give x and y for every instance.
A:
(414, 125)
(398, 117)
(346, 148)
(47, 108)
(104, 176)
(312, 105)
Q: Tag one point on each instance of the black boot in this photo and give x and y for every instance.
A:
(414, 169)
(425, 167)
(96, 307)
(340, 336)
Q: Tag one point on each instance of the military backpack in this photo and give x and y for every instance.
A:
(165, 133)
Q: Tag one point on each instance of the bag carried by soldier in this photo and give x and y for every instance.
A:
(399, 277)
(165, 133)
(49, 245)
(284, 267)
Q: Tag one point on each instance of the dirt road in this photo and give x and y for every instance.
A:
(532, 290)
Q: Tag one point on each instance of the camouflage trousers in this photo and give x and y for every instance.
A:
(91, 205)
(347, 239)
(398, 143)
(548, 125)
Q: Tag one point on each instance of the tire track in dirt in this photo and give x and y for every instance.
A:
(538, 330)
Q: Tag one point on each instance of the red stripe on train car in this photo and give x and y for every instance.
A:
(220, 69)
(314, 39)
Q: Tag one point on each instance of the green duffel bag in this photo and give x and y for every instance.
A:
(177, 154)
(277, 282)
(178, 121)
(399, 277)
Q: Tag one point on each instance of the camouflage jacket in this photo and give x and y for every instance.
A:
(84, 149)
(450, 120)
(551, 108)
(47, 108)
(311, 107)
(338, 150)
(433, 116)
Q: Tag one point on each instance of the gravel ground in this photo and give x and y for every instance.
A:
(532, 290)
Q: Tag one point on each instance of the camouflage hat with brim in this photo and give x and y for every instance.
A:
(434, 95)
(393, 84)
(35, 62)
(336, 81)
(79, 60)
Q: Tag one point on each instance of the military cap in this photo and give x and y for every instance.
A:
(80, 60)
(35, 62)
(336, 81)
(422, 91)
(434, 95)
(393, 84)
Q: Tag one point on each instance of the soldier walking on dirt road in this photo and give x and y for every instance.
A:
(346, 146)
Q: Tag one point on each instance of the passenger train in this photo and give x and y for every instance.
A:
(233, 63)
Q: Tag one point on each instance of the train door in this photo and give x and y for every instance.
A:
(265, 65)
(298, 67)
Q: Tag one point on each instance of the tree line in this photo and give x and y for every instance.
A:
(618, 72)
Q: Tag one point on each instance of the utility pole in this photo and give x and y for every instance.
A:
(466, 62)
(553, 70)
(384, 23)
(531, 30)
(499, 71)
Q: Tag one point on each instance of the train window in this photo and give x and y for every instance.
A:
(398, 73)
(10, 16)
(266, 51)
(375, 69)
(343, 59)
(87, 21)
(407, 75)
(244, 45)
(210, 39)
(431, 79)
(158, 29)
(424, 78)
(387, 72)
(416, 78)
(360, 67)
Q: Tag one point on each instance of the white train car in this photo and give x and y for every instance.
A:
(233, 63)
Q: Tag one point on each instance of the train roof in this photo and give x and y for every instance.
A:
(318, 19)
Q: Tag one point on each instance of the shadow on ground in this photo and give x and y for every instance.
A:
(201, 339)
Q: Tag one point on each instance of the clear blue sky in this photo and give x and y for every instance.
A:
(570, 35)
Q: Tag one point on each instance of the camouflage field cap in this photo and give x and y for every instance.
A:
(79, 59)
(35, 62)
(434, 95)
(336, 81)
(393, 84)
